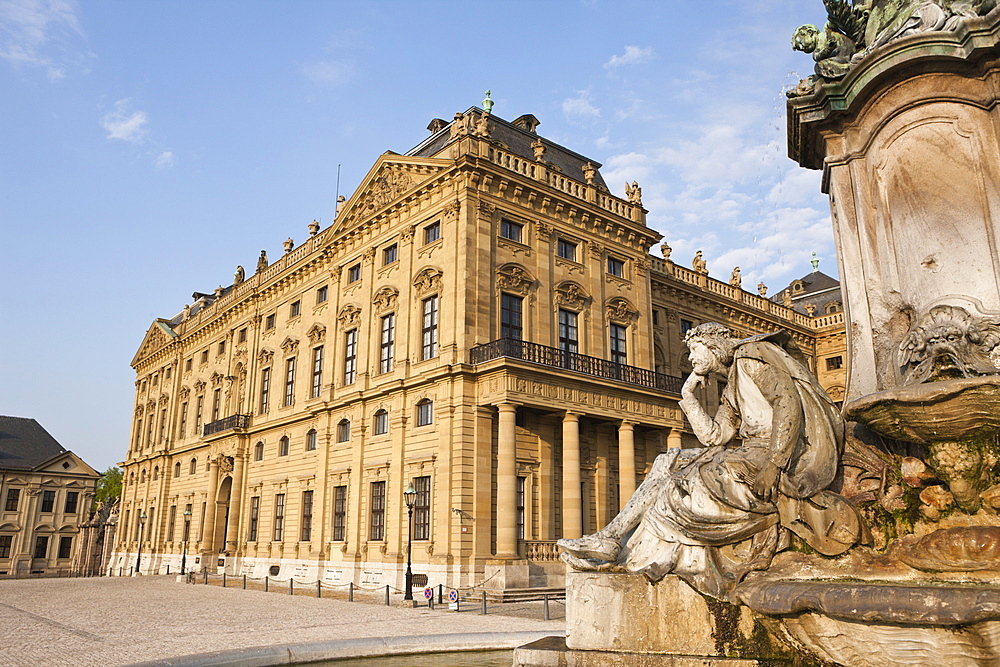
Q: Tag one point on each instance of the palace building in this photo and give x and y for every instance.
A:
(483, 322)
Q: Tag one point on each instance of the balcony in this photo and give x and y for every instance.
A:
(509, 348)
(226, 423)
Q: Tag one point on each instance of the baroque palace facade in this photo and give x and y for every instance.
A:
(483, 321)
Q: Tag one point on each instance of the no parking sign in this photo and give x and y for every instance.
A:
(428, 593)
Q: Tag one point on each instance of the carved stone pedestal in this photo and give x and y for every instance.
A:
(506, 574)
(623, 619)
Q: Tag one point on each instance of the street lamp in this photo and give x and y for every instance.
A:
(409, 497)
(138, 555)
(187, 529)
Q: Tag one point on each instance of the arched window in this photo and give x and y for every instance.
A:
(311, 440)
(343, 430)
(142, 476)
(194, 466)
(425, 412)
(177, 469)
(258, 452)
(381, 422)
(156, 473)
(283, 446)
(833, 307)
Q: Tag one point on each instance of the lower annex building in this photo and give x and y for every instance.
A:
(482, 321)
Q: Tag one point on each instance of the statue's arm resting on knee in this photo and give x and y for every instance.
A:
(710, 432)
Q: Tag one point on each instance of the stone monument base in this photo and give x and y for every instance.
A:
(552, 652)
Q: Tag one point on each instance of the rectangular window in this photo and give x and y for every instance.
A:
(204, 357)
(168, 373)
(432, 232)
(339, 512)
(519, 509)
(429, 328)
(187, 364)
(390, 254)
(242, 336)
(569, 340)
(322, 294)
(289, 381)
(222, 347)
(350, 356)
(13, 496)
(686, 325)
(163, 425)
(295, 309)
(187, 522)
(317, 372)
(171, 520)
(254, 518)
(354, 274)
(72, 501)
(216, 404)
(656, 317)
(425, 412)
(511, 230)
(5, 543)
(510, 316)
(381, 422)
(265, 388)
(422, 508)
(183, 425)
(48, 501)
(65, 547)
(269, 322)
(376, 528)
(566, 249)
(138, 434)
(834, 363)
(307, 515)
(616, 267)
(387, 346)
(41, 546)
(311, 438)
(618, 354)
(279, 516)
(199, 408)
(149, 430)
(201, 522)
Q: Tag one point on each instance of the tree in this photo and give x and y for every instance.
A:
(109, 490)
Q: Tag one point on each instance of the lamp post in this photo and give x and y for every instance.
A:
(409, 497)
(138, 555)
(187, 529)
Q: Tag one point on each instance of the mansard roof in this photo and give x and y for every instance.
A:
(24, 444)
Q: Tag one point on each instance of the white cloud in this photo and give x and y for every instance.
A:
(633, 55)
(580, 107)
(328, 72)
(124, 124)
(36, 33)
(164, 160)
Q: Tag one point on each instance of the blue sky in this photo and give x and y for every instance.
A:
(148, 147)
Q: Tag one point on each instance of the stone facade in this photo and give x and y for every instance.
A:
(483, 320)
(45, 496)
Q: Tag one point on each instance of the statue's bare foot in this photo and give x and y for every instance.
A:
(592, 546)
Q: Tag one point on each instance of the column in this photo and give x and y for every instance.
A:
(571, 500)
(506, 482)
(626, 462)
(208, 533)
(235, 505)
(674, 439)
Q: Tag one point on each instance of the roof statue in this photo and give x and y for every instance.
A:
(239, 275)
(855, 28)
(762, 288)
(262, 261)
(736, 278)
(699, 264)
(633, 193)
(815, 262)
(488, 103)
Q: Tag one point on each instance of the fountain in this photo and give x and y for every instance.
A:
(754, 550)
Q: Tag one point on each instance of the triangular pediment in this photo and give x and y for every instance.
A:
(158, 336)
(67, 463)
(390, 178)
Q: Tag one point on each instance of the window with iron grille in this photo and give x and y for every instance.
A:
(49, 501)
(429, 328)
(289, 381)
(317, 372)
(307, 516)
(311, 440)
(510, 316)
(387, 346)
(72, 500)
(254, 518)
(265, 389)
(381, 422)
(279, 516)
(834, 363)
(339, 512)
(13, 496)
(376, 528)
(422, 508)
(41, 546)
(350, 356)
(618, 352)
(343, 430)
(5, 544)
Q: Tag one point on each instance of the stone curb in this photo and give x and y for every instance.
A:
(293, 654)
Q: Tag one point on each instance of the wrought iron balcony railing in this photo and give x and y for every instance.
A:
(226, 423)
(534, 353)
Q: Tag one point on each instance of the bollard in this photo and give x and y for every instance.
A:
(350, 591)
(319, 589)
(291, 585)
(430, 603)
(545, 598)
(387, 595)
(223, 578)
(265, 583)
(484, 602)
(206, 578)
(440, 593)
(168, 569)
(244, 582)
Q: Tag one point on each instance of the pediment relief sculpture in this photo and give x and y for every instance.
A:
(427, 281)
(349, 317)
(388, 186)
(290, 344)
(620, 310)
(513, 278)
(316, 333)
(265, 356)
(385, 299)
(572, 295)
